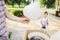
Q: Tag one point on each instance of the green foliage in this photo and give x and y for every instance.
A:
(18, 13)
(48, 3)
(9, 2)
(16, 2)
(9, 35)
(12, 11)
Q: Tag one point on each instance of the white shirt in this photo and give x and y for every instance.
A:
(44, 21)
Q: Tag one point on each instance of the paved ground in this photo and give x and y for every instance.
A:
(19, 29)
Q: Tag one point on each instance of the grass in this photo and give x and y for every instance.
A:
(13, 10)
(15, 6)
(16, 12)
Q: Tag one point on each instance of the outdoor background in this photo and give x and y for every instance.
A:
(16, 6)
(18, 29)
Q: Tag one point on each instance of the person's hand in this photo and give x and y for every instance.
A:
(26, 20)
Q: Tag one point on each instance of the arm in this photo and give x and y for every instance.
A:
(12, 17)
(41, 20)
(47, 22)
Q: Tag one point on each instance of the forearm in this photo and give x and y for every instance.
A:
(14, 18)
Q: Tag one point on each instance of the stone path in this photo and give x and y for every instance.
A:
(19, 29)
(57, 18)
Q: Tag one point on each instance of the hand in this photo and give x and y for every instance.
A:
(47, 24)
(26, 20)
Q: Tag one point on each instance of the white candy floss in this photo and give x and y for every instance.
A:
(33, 11)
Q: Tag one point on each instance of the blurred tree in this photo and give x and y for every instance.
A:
(28, 2)
(6, 1)
(48, 3)
(12, 3)
(19, 2)
(9, 2)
